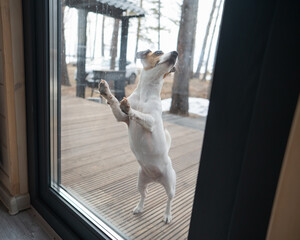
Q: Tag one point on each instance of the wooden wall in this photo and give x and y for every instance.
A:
(13, 155)
(285, 218)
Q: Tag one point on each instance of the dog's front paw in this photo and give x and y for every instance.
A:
(124, 105)
(103, 88)
(167, 218)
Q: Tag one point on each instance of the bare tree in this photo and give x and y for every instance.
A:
(114, 44)
(185, 47)
(64, 77)
(138, 32)
(156, 11)
(145, 28)
(197, 73)
(211, 41)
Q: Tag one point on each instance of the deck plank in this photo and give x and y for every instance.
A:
(99, 168)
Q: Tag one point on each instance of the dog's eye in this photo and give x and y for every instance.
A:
(157, 53)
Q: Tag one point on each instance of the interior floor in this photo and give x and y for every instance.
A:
(22, 226)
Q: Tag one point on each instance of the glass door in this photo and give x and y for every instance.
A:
(82, 172)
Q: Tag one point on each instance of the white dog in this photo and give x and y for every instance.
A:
(142, 112)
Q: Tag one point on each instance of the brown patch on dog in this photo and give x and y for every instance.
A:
(124, 105)
(152, 59)
(165, 75)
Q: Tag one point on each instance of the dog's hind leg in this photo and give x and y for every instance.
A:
(113, 102)
(169, 183)
(168, 139)
(143, 181)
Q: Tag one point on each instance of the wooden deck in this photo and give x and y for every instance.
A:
(99, 168)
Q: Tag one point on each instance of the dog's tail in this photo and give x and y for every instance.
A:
(168, 139)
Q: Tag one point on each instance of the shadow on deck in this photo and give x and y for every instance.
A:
(99, 168)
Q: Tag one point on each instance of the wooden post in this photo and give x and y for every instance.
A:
(9, 168)
(120, 85)
(81, 53)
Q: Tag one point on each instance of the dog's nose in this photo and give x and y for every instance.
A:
(174, 53)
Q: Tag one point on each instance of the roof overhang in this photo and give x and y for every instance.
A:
(113, 8)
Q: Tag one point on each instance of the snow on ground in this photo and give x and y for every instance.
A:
(197, 106)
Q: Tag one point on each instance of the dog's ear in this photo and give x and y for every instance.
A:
(142, 54)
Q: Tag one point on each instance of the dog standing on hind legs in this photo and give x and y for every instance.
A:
(142, 112)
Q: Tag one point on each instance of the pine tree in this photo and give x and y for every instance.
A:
(185, 47)
(211, 41)
(197, 73)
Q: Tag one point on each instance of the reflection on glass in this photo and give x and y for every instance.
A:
(95, 158)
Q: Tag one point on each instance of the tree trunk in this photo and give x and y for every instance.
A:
(211, 41)
(191, 70)
(114, 44)
(64, 77)
(102, 37)
(81, 53)
(197, 73)
(185, 46)
(138, 31)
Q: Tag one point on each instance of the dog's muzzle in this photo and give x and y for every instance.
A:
(173, 58)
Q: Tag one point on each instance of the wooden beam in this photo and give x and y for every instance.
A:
(120, 85)
(81, 53)
(96, 7)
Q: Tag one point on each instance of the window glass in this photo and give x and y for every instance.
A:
(106, 156)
